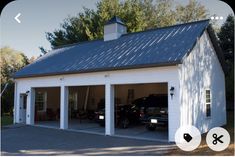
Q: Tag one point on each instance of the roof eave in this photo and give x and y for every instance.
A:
(102, 69)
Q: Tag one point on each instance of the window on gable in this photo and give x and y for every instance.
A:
(208, 103)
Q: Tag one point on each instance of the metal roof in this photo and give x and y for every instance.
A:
(156, 47)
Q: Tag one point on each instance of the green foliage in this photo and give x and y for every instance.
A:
(11, 61)
(163, 15)
(7, 99)
(226, 36)
(229, 81)
(192, 12)
(43, 50)
(138, 15)
(6, 120)
(226, 39)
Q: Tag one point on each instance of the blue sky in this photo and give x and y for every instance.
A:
(40, 16)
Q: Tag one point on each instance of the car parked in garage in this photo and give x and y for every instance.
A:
(160, 118)
(141, 110)
(153, 110)
(125, 115)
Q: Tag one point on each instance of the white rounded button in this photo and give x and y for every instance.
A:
(188, 138)
(218, 139)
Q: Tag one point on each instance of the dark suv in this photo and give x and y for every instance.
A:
(153, 110)
(125, 115)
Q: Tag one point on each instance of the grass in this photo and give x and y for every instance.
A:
(6, 120)
(203, 149)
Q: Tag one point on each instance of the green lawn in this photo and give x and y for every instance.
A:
(6, 120)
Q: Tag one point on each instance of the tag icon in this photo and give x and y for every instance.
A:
(187, 137)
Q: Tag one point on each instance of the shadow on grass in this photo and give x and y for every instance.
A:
(203, 149)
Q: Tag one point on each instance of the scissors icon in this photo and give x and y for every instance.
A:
(217, 139)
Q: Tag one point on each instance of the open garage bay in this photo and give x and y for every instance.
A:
(141, 111)
(84, 102)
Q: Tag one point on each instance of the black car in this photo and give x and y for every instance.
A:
(160, 118)
(125, 115)
(99, 118)
(153, 110)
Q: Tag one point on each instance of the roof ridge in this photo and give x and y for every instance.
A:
(148, 30)
(74, 44)
(165, 27)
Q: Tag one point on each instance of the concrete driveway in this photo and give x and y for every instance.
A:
(31, 140)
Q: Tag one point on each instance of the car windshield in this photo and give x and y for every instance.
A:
(157, 101)
(152, 101)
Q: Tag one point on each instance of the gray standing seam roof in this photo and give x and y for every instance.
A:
(156, 47)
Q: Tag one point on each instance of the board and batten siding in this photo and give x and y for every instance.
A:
(199, 71)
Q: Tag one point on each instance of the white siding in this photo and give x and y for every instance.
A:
(201, 70)
(147, 75)
(113, 31)
(110, 32)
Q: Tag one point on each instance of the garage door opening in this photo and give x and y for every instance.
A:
(83, 106)
(47, 106)
(141, 111)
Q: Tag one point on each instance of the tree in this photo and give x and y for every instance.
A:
(11, 61)
(191, 12)
(43, 50)
(138, 15)
(85, 26)
(226, 40)
(229, 83)
(160, 15)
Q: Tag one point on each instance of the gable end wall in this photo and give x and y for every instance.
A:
(199, 71)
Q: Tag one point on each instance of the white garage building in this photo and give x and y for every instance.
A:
(186, 57)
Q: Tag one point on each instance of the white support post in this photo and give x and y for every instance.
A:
(174, 111)
(30, 108)
(109, 109)
(63, 107)
(17, 109)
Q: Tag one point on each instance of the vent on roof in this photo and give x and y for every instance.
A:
(114, 28)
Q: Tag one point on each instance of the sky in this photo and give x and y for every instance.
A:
(40, 16)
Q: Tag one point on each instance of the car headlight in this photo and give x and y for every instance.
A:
(101, 117)
(153, 121)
